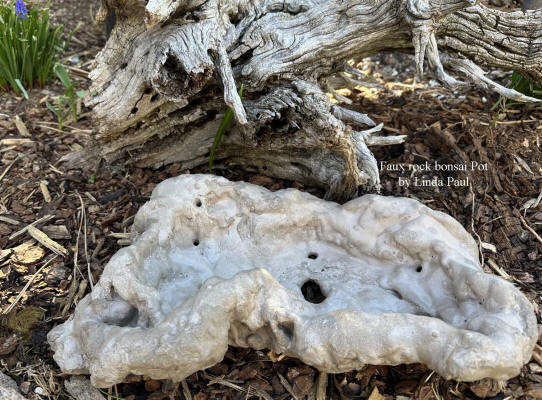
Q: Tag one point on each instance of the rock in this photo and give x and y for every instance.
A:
(25, 387)
(81, 389)
(215, 263)
(9, 389)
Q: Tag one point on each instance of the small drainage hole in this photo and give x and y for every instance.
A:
(312, 292)
(198, 203)
(313, 256)
(288, 329)
(419, 269)
(196, 242)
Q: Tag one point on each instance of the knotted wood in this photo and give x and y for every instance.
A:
(171, 68)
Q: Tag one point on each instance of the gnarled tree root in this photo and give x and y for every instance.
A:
(170, 69)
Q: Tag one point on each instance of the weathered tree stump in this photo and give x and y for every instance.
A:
(171, 68)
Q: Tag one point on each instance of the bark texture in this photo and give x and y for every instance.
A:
(171, 68)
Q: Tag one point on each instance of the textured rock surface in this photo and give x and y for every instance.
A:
(81, 389)
(215, 263)
(9, 389)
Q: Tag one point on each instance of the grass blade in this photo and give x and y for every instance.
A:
(224, 125)
(21, 88)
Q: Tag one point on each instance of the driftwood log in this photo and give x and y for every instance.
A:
(171, 68)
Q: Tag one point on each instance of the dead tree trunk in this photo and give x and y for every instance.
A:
(171, 68)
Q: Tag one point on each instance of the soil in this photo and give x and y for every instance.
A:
(89, 211)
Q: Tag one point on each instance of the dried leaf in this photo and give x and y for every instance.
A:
(21, 127)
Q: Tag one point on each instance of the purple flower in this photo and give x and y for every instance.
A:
(20, 9)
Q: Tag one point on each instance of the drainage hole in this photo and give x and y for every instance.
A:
(313, 256)
(287, 328)
(312, 292)
(196, 242)
(419, 268)
(198, 203)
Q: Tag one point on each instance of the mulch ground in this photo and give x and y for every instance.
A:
(87, 213)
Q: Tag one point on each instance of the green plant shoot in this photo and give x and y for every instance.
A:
(224, 125)
(67, 103)
(29, 46)
(523, 85)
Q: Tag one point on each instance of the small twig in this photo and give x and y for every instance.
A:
(47, 241)
(339, 97)
(186, 391)
(7, 148)
(23, 231)
(523, 121)
(250, 391)
(84, 216)
(527, 226)
(221, 381)
(79, 71)
(9, 220)
(54, 169)
(45, 191)
(14, 142)
(8, 167)
(499, 270)
(480, 246)
(25, 200)
(75, 279)
(25, 288)
(120, 235)
(50, 128)
(287, 386)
